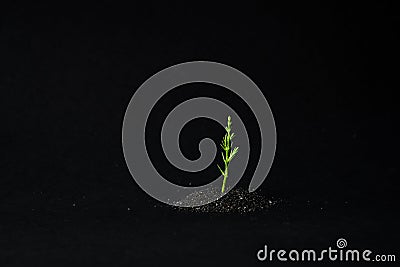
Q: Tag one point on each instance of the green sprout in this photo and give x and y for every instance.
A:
(228, 153)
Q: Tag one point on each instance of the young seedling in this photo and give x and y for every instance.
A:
(228, 153)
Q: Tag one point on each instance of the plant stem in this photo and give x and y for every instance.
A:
(225, 176)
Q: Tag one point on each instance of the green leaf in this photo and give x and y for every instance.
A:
(223, 156)
(233, 153)
(223, 173)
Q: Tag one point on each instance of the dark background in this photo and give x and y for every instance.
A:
(68, 72)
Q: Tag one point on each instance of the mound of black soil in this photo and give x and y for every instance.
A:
(238, 200)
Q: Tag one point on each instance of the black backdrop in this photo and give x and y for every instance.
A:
(67, 73)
